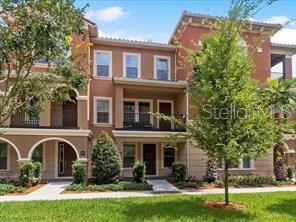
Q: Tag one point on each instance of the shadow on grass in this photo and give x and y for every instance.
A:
(284, 206)
(182, 209)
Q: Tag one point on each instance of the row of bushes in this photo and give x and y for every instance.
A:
(249, 181)
(10, 188)
(124, 185)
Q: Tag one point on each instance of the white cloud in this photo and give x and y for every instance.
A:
(106, 14)
(285, 36)
(277, 20)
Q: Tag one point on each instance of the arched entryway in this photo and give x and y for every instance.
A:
(9, 156)
(56, 155)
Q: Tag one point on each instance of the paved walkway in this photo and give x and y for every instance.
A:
(52, 191)
(162, 186)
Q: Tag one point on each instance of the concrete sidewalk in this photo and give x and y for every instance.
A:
(163, 186)
(52, 191)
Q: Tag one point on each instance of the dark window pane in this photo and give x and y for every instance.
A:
(246, 162)
(3, 156)
(38, 154)
(162, 74)
(131, 72)
(102, 117)
(3, 163)
(102, 70)
(129, 152)
(169, 157)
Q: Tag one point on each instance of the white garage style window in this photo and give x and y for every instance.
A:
(103, 110)
(3, 156)
(129, 155)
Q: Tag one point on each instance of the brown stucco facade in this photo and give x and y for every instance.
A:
(53, 125)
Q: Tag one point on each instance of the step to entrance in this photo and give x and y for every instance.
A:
(163, 186)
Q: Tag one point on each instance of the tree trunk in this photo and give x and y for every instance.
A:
(279, 166)
(226, 183)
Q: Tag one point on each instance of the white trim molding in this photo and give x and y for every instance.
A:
(168, 58)
(95, 63)
(46, 132)
(139, 70)
(110, 113)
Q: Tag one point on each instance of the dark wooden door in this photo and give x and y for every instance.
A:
(66, 156)
(165, 108)
(149, 157)
(70, 113)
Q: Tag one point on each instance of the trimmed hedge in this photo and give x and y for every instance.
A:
(178, 171)
(10, 188)
(250, 180)
(123, 185)
(139, 171)
(78, 172)
(30, 173)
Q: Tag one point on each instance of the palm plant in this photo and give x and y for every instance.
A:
(280, 95)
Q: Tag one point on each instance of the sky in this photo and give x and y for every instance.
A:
(156, 20)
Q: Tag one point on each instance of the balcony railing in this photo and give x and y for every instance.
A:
(63, 119)
(147, 121)
(22, 119)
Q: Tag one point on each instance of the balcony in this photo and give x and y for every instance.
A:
(59, 119)
(147, 121)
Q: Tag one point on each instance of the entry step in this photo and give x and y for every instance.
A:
(163, 186)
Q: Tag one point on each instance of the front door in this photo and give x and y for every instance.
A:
(66, 156)
(166, 109)
(149, 157)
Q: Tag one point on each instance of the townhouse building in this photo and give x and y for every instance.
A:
(130, 80)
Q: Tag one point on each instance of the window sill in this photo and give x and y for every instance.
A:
(103, 124)
(102, 77)
(239, 169)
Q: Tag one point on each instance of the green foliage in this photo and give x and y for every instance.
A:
(33, 30)
(78, 172)
(178, 171)
(30, 173)
(250, 180)
(122, 185)
(106, 160)
(290, 172)
(188, 184)
(139, 171)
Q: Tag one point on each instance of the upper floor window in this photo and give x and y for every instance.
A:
(103, 63)
(131, 65)
(3, 156)
(162, 68)
(103, 110)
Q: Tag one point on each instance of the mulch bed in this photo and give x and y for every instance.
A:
(103, 191)
(29, 190)
(221, 205)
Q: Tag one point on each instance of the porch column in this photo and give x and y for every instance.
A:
(44, 118)
(287, 67)
(118, 107)
(82, 112)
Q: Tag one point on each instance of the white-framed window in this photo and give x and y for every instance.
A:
(102, 110)
(162, 66)
(131, 65)
(102, 63)
(129, 155)
(3, 156)
(37, 155)
(169, 156)
(243, 164)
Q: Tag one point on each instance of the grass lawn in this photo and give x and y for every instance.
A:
(279, 206)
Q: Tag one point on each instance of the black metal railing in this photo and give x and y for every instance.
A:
(148, 121)
(23, 119)
(63, 118)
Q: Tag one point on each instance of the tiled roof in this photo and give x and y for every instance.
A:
(148, 43)
(292, 46)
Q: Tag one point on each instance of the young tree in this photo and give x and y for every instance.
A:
(232, 120)
(281, 97)
(106, 160)
(29, 31)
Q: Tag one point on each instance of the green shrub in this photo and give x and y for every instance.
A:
(139, 171)
(290, 172)
(78, 172)
(30, 173)
(7, 188)
(251, 180)
(123, 185)
(106, 160)
(178, 171)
